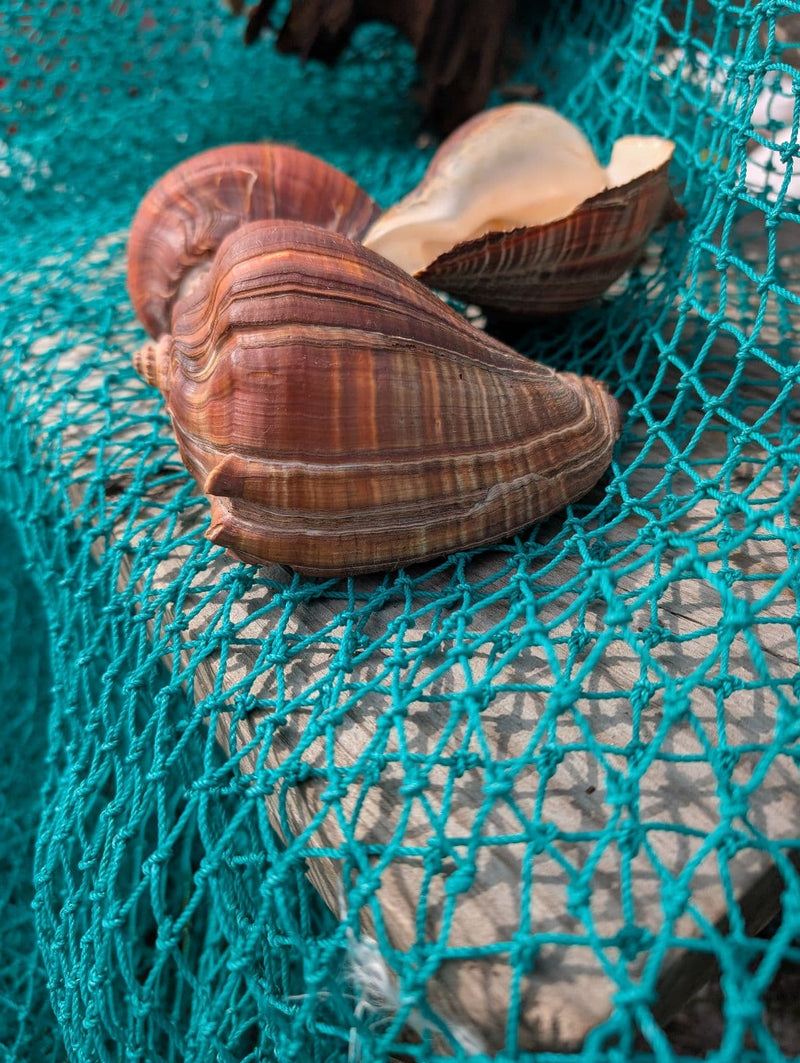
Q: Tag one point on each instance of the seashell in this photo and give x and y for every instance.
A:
(516, 213)
(187, 214)
(562, 265)
(342, 419)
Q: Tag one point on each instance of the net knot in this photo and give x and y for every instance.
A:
(541, 835)
(524, 954)
(631, 940)
(634, 996)
(564, 697)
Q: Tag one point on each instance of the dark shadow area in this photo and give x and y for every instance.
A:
(28, 1029)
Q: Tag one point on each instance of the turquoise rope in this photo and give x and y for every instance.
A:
(151, 911)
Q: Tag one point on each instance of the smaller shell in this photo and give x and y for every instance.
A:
(187, 214)
(516, 213)
(564, 264)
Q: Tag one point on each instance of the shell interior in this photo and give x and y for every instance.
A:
(522, 164)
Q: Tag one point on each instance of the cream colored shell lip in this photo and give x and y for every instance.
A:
(524, 169)
(522, 164)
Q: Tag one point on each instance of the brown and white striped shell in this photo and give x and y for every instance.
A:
(342, 419)
(516, 213)
(187, 214)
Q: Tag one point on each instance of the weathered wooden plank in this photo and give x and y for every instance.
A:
(548, 833)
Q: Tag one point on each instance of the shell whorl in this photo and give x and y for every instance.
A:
(342, 419)
(152, 362)
(187, 214)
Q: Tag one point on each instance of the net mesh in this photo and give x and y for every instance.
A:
(512, 804)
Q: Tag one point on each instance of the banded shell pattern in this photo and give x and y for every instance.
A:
(187, 214)
(342, 419)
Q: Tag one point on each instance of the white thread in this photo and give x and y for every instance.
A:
(377, 994)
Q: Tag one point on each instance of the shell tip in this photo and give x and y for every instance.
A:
(221, 529)
(152, 362)
(227, 478)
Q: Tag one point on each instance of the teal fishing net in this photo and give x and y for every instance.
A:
(516, 804)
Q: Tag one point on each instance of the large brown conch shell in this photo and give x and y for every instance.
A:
(516, 213)
(342, 419)
(187, 214)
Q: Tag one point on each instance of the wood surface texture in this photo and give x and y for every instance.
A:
(568, 991)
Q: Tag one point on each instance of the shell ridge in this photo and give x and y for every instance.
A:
(546, 458)
(233, 469)
(275, 335)
(416, 308)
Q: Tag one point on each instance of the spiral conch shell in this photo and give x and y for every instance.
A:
(187, 214)
(342, 419)
(516, 213)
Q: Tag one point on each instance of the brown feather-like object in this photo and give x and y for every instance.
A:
(342, 419)
(463, 47)
(187, 214)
